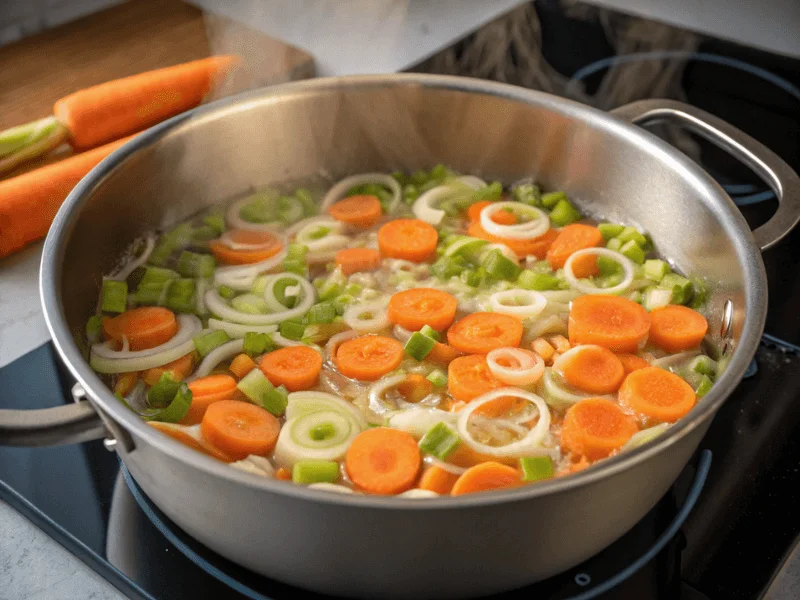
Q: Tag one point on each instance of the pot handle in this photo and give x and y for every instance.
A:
(67, 424)
(778, 175)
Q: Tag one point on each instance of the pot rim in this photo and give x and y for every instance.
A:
(103, 399)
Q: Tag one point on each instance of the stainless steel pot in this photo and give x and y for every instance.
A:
(391, 547)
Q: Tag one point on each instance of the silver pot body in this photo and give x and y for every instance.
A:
(389, 547)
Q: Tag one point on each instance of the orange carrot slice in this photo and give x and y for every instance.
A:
(501, 217)
(180, 434)
(383, 461)
(595, 427)
(414, 388)
(296, 367)
(675, 328)
(178, 369)
(144, 327)
(29, 202)
(593, 369)
(369, 357)
(537, 247)
(206, 391)
(240, 428)
(658, 394)
(360, 211)
(283, 474)
(358, 260)
(436, 479)
(469, 377)
(631, 362)
(482, 332)
(571, 239)
(417, 307)
(110, 110)
(486, 476)
(255, 247)
(241, 365)
(466, 457)
(442, 354)
(409, 239)
(125, 383)
(615, 323)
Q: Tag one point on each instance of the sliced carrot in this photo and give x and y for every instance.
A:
(383, 461)
(466, 457)
(179, 369)
(482, 332)
(631, 362)
(414, 388)
(206, 391)
(296, 367)
(180, 434)
(595, 427)
(593, 369)
(240, 428)
(283, 474)
(241, 365)
(361, 211)
(358, 260)
(254, 246)
(469, 377)
(658, 394)
(144, 327)
(442, 354)
(537, 247)
(29, 202)
(675, 328)
(585, 266)
(369, 357)
(436, 479)
(486, 476)
(501, 217)
(409, 239)
(417, 307)
(571, 239)
(125, 383)
(615, 323)
(107, 111)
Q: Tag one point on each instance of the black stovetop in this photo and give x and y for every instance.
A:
(733, 541)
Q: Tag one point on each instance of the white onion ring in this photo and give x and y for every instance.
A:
(126, 270)
(292, 231)
(450, 468)
(333, 240)
(235, 330)
(402, 334)
(338, 191)
(530, 445)
(423, 209)
(188, 326)
(235, 220)
(226, 240)
(378, 322)
(528, 370)
(535, 303)
(551, 324)
(218, 307)
(200, 303)
(671, 359)
(621, 259)
(225, 275)
(377, 402)
(217, 355)
(561, 398)
(286, 342)
(333, 344)
(271, 298)
(518, 231)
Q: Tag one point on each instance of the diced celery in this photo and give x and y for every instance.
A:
(656, 269)
(323, 312)
(114, 296)
(614, 244)
(430, 332)
(610, 230)
(192, 264)
(493, 191)
(306, 472)
(437, 377)
(655, 297)
(499, 266)
(446, 267)
(292, 330)
(634, 251)
(536, 468)
(226, 292)
(564, 213)
(631, 233)
(704, 386)
(527, 193)
(94, 328)
(341, 303)
(419, 345)
(250, 303)
(531, 280)
(440, 441)
(180, 295)
(471, 277)
(157, 275)
(257, 343)
(704, 365)
(208, 341)
(682, 288)
(550, 199)
(608, 266)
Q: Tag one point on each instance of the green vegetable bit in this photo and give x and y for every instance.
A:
(293, 330)
(157, 275)
(169, 403)
(178, 238)
(257, 343)
(430, 332)
(527, 193)
(446, 267)
(437, 377)
(564, 213)
(94, 328)
(550, 199)
(532, 280)
(208, 341)
(656, 269)
(439, 441)
(682, 288)
(493, 191)
(180, 295)
(253, 304)
(307, 472)
(261, 392)
(471, 277)
(342, 302)
(322, 432)
(610, 230)
(114, 296)
(216, 222)
(226, 292)
(614, 244)
(324, 312)
(704, 386)
(500, 267)
(608, 266)
(634, 251)
(632, 234)
(419, 346)
(536, 468)
(163, 392)
(704, 365)
(192, 264)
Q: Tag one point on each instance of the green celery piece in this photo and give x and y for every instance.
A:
(610, 230)
(527, 193)
(321, 313)
(531, 280)
(192, 264)
(682, 288)
(439, 441)
(536, 468)
(631, 233)
(564, 213)
(608, 266)
(292, 330)
(430, 332)
(419, 345)
(614, 244)
(173, 412)
(114, 297)
(306, 472)
(633, 251)
(550, 199)
(656, 269)
(257, 343)
(437, 377)
(704, 386)
(499, 266)
(208, 341)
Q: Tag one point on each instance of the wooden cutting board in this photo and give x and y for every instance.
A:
(136, 36)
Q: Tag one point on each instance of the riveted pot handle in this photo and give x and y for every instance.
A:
(67, 424)
(778, 175)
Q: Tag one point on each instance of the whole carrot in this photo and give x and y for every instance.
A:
(107, 111)
(29, 202)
